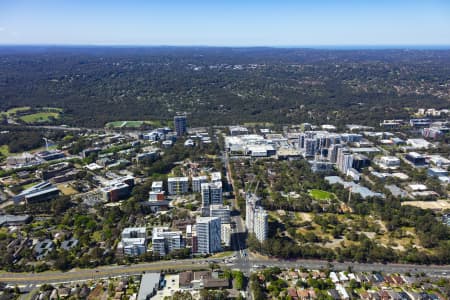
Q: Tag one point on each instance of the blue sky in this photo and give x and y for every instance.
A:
(226, 23)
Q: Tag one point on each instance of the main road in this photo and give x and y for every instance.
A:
(245, 265)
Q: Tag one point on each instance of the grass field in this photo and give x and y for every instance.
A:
(27, 186)
(132, 124)
(4, 150)
(66, 189)
(321, 195)
(39, 117)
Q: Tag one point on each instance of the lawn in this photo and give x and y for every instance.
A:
(223, 254)
(66, 189)
(39, 117)
(4, 150)
(27, 186)
(321, 195)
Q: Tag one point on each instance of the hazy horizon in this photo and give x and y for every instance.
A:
(299, 24)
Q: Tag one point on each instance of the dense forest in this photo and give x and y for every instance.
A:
(94, 85)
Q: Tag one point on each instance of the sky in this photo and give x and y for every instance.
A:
(226, 23)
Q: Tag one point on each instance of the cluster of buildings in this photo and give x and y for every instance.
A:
(198, 184)
(211, 229)
(203, 237)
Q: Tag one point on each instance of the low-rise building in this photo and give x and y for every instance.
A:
(437, 172)
(389, 162)
(134, 241)
(415, 158)
(42, 248)
(14, 220)
(41, 192)
(150, 284)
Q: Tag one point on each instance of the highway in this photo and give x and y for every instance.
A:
(245, 264)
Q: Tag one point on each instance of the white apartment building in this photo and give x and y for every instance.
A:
(165, 241)
(178, 185)
(134, 241)
(211, 193)
(216, 177)
(250, 206)
(157, 186)
(261, 225)
(197, 182)
(221, 211)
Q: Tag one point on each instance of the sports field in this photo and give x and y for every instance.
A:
(321, 195)
(39, 117)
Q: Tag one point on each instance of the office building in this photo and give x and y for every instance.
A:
(178, 185)
(115, 191)
(344, 160)
(54, 170)
(238, 130)
(165, 241)
(415, 158)
(360, 161)
(389, 162)
(50, 155)
(180, 125)
(333, 152)
(320, 166)
(437, 172)
(309, 147)
(118, 189)
(208, 235)
(432, 132)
